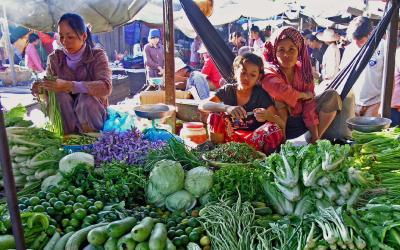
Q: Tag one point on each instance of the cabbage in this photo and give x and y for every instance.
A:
(53, 180)
(205, 199)
(154, 197)
(167, 177)
(198, 181)
(179, 201)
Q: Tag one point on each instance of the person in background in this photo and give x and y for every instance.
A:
(395, 111)
(256, 42)
(186, 78)
(210, 69)
(331, 57)
(318, 49)
(368, 87)
(194, 54)
(32, 58)
(83, 75)
(267, 33)
(56, 43)
(289, 80)
(236, 42)
(244, 112)
(154, 55)
(47, 41)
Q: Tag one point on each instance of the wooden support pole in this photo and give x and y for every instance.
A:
(169, 53)
(10, 50)
(9, 186)
(388, 73)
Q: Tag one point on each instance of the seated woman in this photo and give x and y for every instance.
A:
(83, 77)
(288, 79)
(244, 112)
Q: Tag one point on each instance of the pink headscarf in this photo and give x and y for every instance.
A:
(297, 39)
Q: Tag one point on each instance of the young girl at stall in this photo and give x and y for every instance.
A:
(244, 112)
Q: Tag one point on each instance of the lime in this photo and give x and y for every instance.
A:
(99, 205)
(54, 189)
(22, 207)
(70, 203)
(50, 210)
(194, 237)
(41, 195)
(39, 208)
(193, 222)
(177, 241)
(77, 191)
(171, 234)
(71, 189)
(74, 222)
(63, 197)
(184, 239)
(34, 201)
(188, 230)
(204, 241)
(49, 196)
(81, 198)
(68, 209)
(77, 206)
(80, 213)
(87, 204)
(179, 232)
(53, 200)
(69, 229)
(59, 205)
(92, 210)
(65, 222)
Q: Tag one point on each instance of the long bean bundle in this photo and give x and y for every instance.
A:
(52, 110)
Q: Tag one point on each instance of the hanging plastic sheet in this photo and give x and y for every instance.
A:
(220, 53)
(346, 78)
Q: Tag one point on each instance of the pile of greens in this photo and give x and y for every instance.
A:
(111, 182)
(233, 152)
(15, 117)
(227, 181)
(320, 175)
(176, 151)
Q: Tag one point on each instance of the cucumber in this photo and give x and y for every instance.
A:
(97, 236)
(52, 242)
(120, 227)
(142, 231)
(158, 238)
(6, 242)
(60, 245)
(79, 237)
(142, 246)
(263, 211)
(111, 244)
(126, 242)
(93, 247)
(170, 245)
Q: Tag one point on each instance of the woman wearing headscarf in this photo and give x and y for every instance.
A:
(289, 80)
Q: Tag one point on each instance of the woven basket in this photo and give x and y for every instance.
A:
(22, 75)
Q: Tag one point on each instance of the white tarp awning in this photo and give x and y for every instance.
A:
(43, 14)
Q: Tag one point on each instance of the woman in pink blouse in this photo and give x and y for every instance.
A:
(32, 58)
(288, 79)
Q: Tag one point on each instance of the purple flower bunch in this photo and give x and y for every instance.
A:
(128, 147)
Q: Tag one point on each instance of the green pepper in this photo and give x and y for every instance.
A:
(38, 218)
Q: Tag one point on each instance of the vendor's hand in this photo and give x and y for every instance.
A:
(306, 95)
(59, 85)
(236, 112)
(37, 88)
(261, 114)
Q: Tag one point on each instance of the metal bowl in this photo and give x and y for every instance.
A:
(154, 111)
(368, 124)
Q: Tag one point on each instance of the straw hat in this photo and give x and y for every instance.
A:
(328, 35)
(179, 64)
(202, 49)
